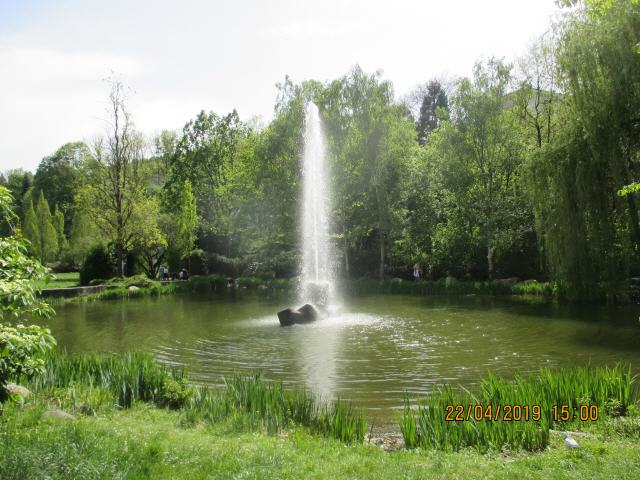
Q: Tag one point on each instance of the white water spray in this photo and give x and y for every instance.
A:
(317, 266)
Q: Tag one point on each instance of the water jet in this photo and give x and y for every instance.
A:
(316, 287)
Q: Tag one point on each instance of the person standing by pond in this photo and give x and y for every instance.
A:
(417, 271)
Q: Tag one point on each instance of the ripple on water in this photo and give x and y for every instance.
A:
(373, 351)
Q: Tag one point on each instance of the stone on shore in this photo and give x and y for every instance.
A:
(58, 414)
(13, 389)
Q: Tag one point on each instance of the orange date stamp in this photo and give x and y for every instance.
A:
(517, 413)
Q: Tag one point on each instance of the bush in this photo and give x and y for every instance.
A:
(140, 281)
(97, 264)
(21, 353)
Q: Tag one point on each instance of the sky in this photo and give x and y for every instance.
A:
(180, 57)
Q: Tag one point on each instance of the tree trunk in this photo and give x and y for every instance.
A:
(490, 253)
(381, 254)
(120, 260)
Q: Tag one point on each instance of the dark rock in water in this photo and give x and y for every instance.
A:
(305, 314)
(309, 312)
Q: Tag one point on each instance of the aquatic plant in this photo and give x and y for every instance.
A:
(429, 426)
(247, 401)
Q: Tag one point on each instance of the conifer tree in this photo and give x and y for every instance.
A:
(48, 238)
(30, 228)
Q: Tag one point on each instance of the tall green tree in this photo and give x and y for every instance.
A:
(30, 228)
(434, 99)
(58, 223)
(591, 235)
(485, 156)
(19, 182)
(115, 178)
(371, 139)
(57, 175)
(47, 246)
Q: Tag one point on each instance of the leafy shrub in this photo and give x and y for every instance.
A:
(140, 281)
(97, 264)
(22, 349)
(175, 393)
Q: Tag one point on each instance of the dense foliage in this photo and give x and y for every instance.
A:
(21, 348)
(513, 172)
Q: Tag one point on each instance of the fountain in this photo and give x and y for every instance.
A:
(316, 280)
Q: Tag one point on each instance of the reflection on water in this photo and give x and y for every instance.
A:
(372, 352)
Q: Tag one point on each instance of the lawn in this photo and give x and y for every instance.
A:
(148, 442)
(61, 280)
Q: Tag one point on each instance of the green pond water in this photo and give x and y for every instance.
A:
(371, 352)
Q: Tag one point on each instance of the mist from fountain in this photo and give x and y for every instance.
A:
(317, 272)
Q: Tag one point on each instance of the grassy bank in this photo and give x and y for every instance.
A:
(137, 419)
(450, 286)
(121, 288)
(531, 407)
(246, 402)
(60, 280)
(147, 442)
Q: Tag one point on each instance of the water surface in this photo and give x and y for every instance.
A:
(371, 352)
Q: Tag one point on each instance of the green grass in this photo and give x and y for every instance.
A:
(611, 389)
(256, 429)
(60, 280)
(149, 443)
(248, 402)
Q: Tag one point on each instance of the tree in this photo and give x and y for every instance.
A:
(371, 140)
(590, 234)
(207, 146)
(488, 155)
(58, 223)
(84, 235)
(435, 98)
(19, 183)
(57, 175)
(150, 241)
(46, 247)
(537, 97)
(30, 228)
(22, 347)
(115, 179)
(181, 227)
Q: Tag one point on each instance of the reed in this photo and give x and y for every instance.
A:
(248, 402)
(427, 426)
(252, 402)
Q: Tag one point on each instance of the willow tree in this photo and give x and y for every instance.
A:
(591, 234)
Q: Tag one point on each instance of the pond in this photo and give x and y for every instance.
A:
(372, 352)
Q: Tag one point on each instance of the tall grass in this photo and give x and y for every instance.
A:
(426, 426)
(247, 401)
(131, 377)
